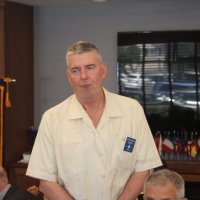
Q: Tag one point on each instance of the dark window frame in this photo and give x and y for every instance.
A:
(131, 38)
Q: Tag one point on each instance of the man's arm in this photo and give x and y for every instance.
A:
(53, 191)
(133, 186)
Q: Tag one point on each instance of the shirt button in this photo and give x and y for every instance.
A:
(100, 154)
(103, 175)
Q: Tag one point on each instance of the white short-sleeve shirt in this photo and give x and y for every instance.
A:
(93, 163)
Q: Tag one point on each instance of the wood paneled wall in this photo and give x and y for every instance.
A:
(16, 61)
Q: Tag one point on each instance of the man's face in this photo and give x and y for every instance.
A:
(165, 192)
(85, 74)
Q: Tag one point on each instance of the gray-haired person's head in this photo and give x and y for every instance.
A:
(164, 176)
(82, 47)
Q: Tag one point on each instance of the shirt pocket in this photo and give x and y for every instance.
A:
(122, 168)
(70, 153)
(127, 154)
(73, 146)
(127, 162)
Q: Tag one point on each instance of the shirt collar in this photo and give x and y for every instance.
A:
(75, 109)
(111, 107)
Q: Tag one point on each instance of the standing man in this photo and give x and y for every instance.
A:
(164, 184)
(95, 145)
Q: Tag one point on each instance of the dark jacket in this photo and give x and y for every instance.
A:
(15, 193)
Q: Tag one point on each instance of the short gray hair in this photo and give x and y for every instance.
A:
(82, 47)
(162, 176)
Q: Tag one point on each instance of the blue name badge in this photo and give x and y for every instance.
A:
(129, 144)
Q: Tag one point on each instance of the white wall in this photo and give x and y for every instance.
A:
(56, 27)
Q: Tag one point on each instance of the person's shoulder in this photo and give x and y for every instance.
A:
(59, 108)
(126, 101)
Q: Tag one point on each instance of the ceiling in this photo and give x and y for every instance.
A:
(81, 2)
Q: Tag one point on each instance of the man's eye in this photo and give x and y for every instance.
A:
(90, 67)
(75, 71)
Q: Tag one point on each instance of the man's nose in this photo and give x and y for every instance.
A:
(84, 74)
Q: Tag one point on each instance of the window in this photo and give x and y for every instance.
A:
(162, 71)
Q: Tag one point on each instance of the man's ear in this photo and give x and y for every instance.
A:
(68, 76)
(104, 70)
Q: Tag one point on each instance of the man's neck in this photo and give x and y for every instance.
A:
(93, 103)
(95, 108)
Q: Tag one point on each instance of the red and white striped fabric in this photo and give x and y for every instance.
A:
(158, 141)
(167, 145)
